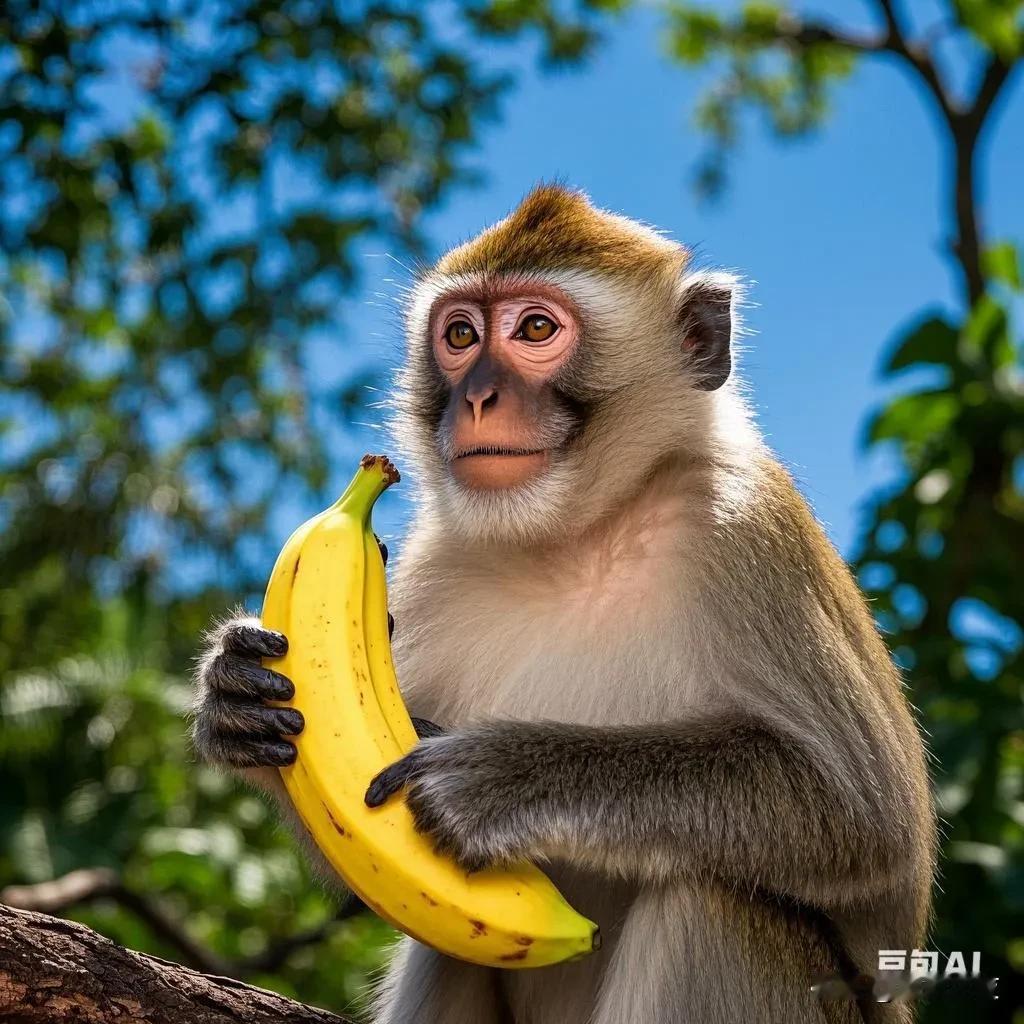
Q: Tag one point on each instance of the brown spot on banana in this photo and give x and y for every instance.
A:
(511, 957)
(337, 828)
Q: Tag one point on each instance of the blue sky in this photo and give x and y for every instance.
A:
(841, 236)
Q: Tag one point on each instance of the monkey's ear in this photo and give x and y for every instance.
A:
(705, 319)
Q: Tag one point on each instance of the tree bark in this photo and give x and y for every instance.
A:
(60, 971)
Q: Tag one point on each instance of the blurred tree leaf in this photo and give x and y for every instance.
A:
(931, 341)
(184, 190)
(1002, 264)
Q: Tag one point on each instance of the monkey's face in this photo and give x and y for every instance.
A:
(506, 421)
(535, 400)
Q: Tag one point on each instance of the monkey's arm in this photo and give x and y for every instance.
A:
(724, 796)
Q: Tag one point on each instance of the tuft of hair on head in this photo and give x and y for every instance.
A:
(556, 227)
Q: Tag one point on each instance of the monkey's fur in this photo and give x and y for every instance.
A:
(654, 673)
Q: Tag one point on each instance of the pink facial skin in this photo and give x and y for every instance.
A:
(497, 325)
(499, 429)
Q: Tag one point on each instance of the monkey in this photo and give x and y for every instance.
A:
(637, 659)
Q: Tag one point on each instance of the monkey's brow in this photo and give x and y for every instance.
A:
(484, 293)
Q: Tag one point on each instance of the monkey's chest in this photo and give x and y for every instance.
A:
(569, 662)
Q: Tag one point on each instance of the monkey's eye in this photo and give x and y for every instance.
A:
(537, 327)
(461, 334)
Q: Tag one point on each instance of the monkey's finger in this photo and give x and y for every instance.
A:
(391, 625)
(231, 674)
(252, 719)
(426, 729)
(391, 780)
(238, 753)
(250, 641)
(383, 548)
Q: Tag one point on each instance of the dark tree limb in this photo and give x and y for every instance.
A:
(801, 32)
(992, 81)
(276, 953)
(58, 971)
(87, 885)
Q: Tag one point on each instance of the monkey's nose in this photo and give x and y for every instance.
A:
(480, 398)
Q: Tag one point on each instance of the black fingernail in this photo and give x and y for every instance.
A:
(293, 721)
(383, 551)
(391, 625)
(376, 794)
(284, 688)
(284, 754)
(277, 642)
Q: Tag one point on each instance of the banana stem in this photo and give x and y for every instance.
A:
(375, 475)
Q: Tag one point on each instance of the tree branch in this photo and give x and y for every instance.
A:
(918, 56)
(892, 21)
(794, 30)
(992, 81)
(964, 122)
(88, 884)
(810, 33)
(53, 970)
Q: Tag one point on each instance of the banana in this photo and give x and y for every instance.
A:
(327, 595)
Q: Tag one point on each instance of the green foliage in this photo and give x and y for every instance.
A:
(783, 65)
(769, 62)
(569, 31)
(183, 188)
(941, 560)
(1001, 263)
(997, 24)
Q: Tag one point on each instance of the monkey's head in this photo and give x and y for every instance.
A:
(554, 362)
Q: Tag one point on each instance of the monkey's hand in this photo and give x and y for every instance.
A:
(468, 793)
(233, 725)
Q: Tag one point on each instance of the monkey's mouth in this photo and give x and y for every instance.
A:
(492, 467)
(497, 449)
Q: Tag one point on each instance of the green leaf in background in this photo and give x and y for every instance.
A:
(932, 341)
(957, 516)
(1002, 264)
